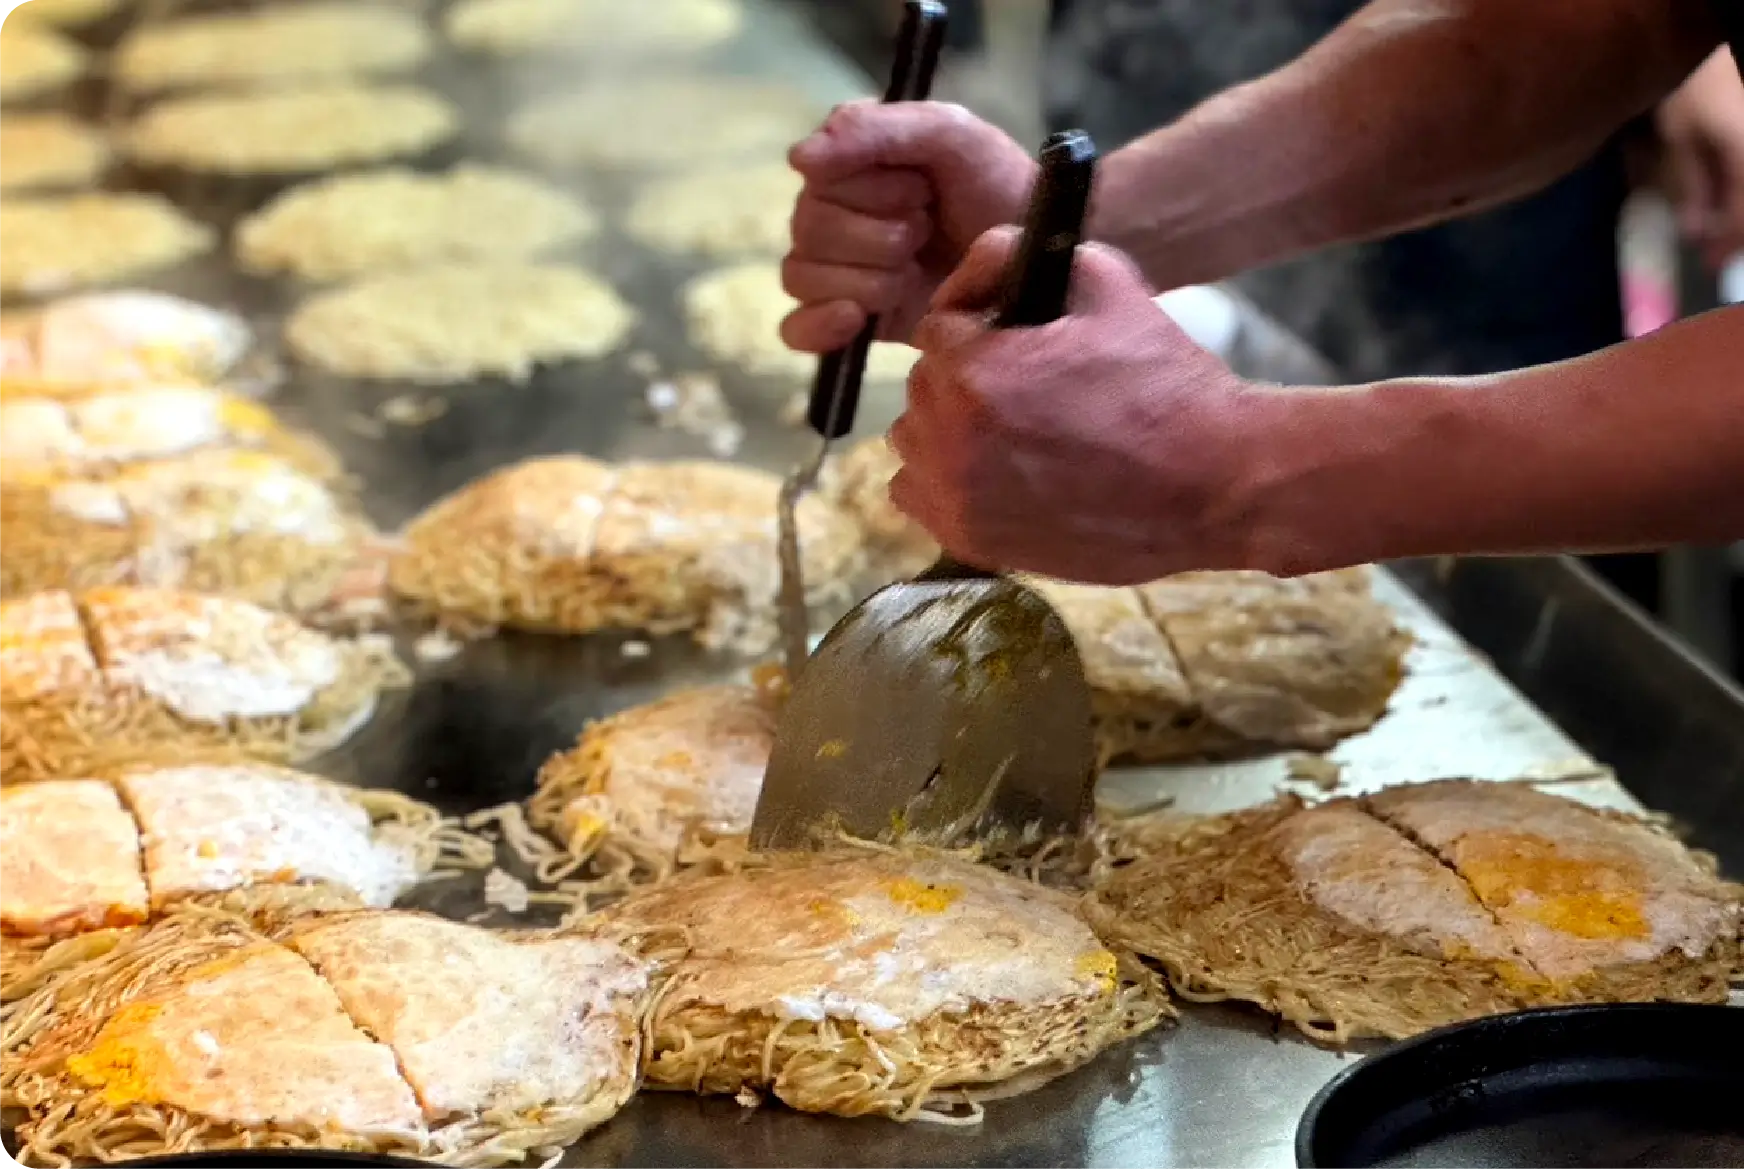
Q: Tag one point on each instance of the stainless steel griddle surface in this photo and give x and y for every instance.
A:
(1220, 1089)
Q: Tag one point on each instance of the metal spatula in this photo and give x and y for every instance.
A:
(952, 706)
(835, 390)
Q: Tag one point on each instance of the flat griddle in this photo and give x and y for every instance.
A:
(1224, 1088)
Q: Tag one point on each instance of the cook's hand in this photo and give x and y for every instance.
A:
(894, 195)
(1702, 125)
(1105, 447)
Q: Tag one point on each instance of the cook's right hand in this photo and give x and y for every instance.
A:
(894, 195)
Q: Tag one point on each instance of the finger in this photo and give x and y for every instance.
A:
(830, 234)
(880, 191)
(866, 134)
(873, 289)
(1694, 182)
(976, 283)
(822, 328)
(940, 332)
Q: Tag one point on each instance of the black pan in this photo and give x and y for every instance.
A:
(1610, 1085)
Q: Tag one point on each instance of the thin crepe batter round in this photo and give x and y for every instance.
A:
(49, 150)
(355, 224)
(449, 323)
(53, 244)
(291, 131)
(664, 122)
(35, 60)
(271, 45)
(735, 316)
(726, 211)
(599, 27)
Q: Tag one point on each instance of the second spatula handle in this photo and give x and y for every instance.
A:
(1040, 276)
(835, 390)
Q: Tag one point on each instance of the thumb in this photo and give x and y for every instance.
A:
(978, 279)
(1104, 277)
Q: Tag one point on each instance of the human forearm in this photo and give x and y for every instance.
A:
(1411, 112)
(1637, 446)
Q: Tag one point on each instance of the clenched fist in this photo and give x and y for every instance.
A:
(894, 195)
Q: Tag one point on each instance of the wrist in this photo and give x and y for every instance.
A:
(1308, 492)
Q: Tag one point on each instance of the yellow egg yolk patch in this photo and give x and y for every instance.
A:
(122, 1060)
(1526, 875)
(920, 896)
(1098, 964)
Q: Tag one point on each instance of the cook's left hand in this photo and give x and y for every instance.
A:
(1105, 447)
(1702, 125)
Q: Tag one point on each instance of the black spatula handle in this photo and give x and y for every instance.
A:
(835, 391)
(1040, 276)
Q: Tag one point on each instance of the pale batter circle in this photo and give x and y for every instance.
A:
(447, 323)
(355, 224)
(729, 211)
(596, 28)
(49, 150)
(272, 45)
(291, 131)
(735, 314)
(66, 13)
(36, 60)
(665, 123)
(53, 244)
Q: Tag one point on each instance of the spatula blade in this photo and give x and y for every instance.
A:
(937, 710)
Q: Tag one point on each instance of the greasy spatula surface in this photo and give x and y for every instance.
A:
(955, 705)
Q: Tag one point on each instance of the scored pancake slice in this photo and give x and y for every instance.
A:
(35, 60)
(570, 545)
(1598, 902)
(83, 854)
(166, 670)
(600, 29)
(49, 150)
(1140, 702)
(293, 130)
(642, 790)
(216, 826)
(199, 1033)
(1339, 923)
(272, 45)
(355, 224)
(69, 859)
(870, 983)
(1294, 663)
(513, 1042)
(53, 243)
